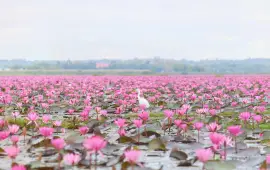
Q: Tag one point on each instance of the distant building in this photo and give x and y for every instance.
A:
(102, 65)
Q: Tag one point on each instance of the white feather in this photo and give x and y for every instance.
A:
(142, 101)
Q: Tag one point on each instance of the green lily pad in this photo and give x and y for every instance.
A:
(126, 139)
(157, 144)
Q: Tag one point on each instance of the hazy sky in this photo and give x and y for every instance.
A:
(87, 29)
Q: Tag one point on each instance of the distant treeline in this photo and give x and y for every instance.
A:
(155, 65)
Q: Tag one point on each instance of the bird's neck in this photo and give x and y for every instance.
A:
(139, 94)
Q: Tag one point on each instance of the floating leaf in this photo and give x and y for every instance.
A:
(172, 106)
(125, 165)
(186, 162)
(1, 150)
(265, 126)
(161, 103)
(92, 124)
(74, 137)
(126, 139)
(181, 138)
(157, 144)
(37, 165)
(150, 133)
(180, 155)
(42, 143)
(214, 118)
(49, 152)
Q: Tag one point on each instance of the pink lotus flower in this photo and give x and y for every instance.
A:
(103, 112)
(138, 123)
(235, 130)
(216, 138)
(98, 109)
(202, 111)
(244, 116)
(58, 143)
(132, 156)
(144, 116)
(12, 151)
(198, 125)
(72, 159)
(46, 118)
(181, 112)
(14, 139)
(233, 104)
(70, 111)
(4, 135)
(32, 117)
(257, 118)
(44, 105)
(15, 114)
(122, 132)
(83, 130)
(88, 108)
(227, 141)
(178, 123)
(18, 167)
(183, 126)
(213, 127)
(268, 159)
(120, 122)
(259, 109)
(168, 113)
(84, 115)
(46, 131)
(13, 129)
(57, 123)
(135, 109)
(118, 110)
(94, 144)
(204, 155)
(142, 106)
(186, 107)
(212, 112)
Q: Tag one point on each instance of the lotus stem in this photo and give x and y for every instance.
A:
(198, 136)
(235, 143)
(138, 134)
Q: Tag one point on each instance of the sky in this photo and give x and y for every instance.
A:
(93, 29)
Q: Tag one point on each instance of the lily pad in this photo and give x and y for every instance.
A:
(180, 155)
(189, 162)
(74, 137)
(150, 133)
(126, 139)
(157, 144)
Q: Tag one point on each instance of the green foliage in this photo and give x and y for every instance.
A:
(265, 126)
(227, 114)
(266, 112)
(19, 121)
(145, 66)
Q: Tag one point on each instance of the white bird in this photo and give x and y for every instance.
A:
(142, 101)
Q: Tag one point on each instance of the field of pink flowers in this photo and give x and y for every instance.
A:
(135, 122)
